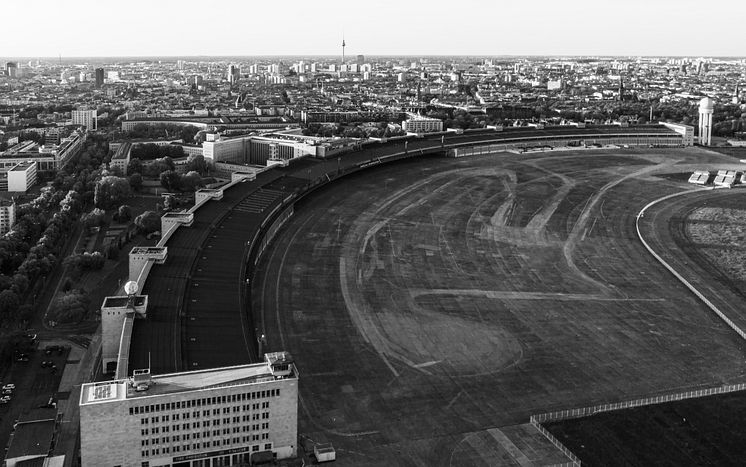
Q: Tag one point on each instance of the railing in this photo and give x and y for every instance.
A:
(678, 276)
(574, 461)
(661, 399)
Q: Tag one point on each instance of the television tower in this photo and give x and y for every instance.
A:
(343, 48)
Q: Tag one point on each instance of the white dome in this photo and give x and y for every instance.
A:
(706, 105)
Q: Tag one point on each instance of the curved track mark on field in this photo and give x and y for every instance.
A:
(578, 229)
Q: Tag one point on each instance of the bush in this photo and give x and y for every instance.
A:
(69, 307)
(148, 222)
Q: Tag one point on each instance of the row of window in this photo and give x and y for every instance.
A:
(203, 445)
(195, 425)
(225, 431)
(204, 401)
(205, 413)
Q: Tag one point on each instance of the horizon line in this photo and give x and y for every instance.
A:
(58, 57)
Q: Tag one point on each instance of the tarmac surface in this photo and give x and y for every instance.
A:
(702, 431)
(432, 302)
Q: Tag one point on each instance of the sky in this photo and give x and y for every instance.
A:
(104, 28)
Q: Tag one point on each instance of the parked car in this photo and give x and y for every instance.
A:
(10, 386)
(5, 399)
(46, 363)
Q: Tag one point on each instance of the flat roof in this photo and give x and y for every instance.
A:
(121, 301)
(23, 165)
(174, 383)
(149, 249)
(31, 439)
(177, 214)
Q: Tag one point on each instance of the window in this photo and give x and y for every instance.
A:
(255, 448)
(268, 446)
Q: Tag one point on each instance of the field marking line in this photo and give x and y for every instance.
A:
(516, 295)
(453, 401)
(301, 400)
(676, 274)
(574, 235)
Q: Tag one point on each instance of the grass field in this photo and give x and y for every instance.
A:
(432, 306)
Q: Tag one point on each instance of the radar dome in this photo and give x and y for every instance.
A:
(131, 288)
(706, 104)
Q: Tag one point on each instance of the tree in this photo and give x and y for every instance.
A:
(170, 180)
(191, 181)
(124, 214)
(135, 181)
(9, 304)
(170, 202)
(134, 166)
(70, 307)
(148, 222)
(110, 191)
(196, 163)
(94, 218)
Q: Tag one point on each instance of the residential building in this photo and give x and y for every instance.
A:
(7, 216)
(87, 118)
(418, 124)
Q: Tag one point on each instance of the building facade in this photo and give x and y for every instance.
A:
(22, 176)
(206, 418)
(7, 216)
(87, 118)
(418, 124)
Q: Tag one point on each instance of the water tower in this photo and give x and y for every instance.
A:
(706, 108)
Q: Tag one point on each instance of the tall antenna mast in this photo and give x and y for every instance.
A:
(343, 47)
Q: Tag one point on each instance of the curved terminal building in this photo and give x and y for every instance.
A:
(193, 385)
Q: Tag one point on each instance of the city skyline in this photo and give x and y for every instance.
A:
(170, 28)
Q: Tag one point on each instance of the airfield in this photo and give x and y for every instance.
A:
(432, 306)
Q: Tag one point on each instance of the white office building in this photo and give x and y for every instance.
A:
(87, 118)
(418, 124)
(22, 176)
(206, 418)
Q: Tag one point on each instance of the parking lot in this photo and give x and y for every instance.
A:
(34, 384)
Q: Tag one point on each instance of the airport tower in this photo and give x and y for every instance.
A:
(706, 107)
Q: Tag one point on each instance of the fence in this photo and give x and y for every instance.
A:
(678, 276)
(662, 399)
(569, 414)
(574, 461)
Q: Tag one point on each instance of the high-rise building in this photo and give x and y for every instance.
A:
(220, 416)
(7, 216)
(360, 59)
(99, 77)
(706, 108)
(234, 73)
(87, 118)
(11, 69)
